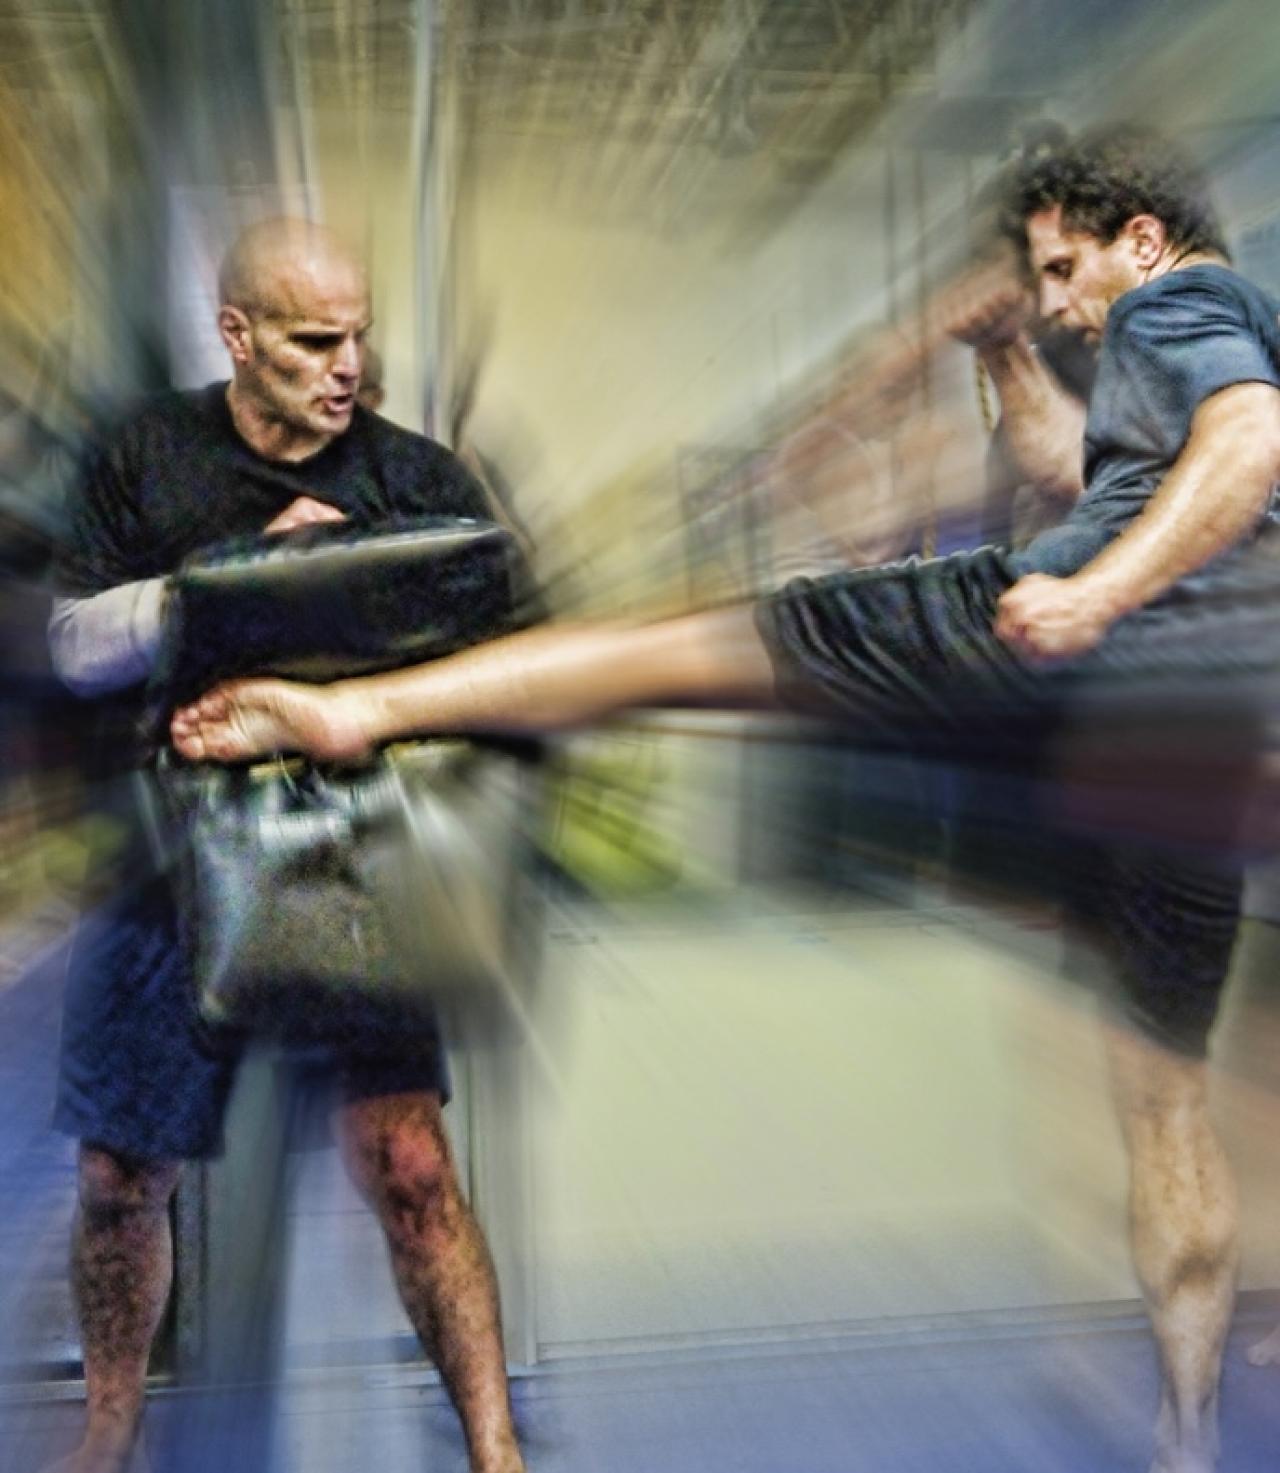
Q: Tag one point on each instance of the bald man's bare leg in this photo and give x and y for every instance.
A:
(122, 1266)
(398, 1156)
(544, 679)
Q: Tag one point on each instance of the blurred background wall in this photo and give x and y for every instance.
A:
(616, 244)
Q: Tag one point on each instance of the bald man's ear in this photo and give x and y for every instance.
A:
(233, 327)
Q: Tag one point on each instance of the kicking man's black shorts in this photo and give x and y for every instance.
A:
(905, 655)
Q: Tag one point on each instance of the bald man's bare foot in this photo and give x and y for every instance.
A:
(511, 1463)
(256, 718)
(113, 1450)
(1265, 1352)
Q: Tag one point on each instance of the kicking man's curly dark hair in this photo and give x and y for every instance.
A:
(1104, 178)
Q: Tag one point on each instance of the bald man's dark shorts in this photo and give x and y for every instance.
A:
(136, 1076)
(1151, 746)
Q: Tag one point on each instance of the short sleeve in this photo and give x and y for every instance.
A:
(463, 489)
(429, 480)
(1182, 345)
(102, 525)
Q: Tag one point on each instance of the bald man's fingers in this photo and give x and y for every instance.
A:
(306, 511)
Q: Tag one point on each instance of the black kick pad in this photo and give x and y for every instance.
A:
(334, 600)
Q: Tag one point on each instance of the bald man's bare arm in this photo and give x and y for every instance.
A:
(109, 640)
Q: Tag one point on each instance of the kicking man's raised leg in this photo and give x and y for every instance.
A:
(540, 680)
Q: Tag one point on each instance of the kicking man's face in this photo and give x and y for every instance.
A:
(1078, 276)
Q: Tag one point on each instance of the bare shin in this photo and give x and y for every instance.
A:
(1183, 1219)
(122, 1261)
(399, 1158)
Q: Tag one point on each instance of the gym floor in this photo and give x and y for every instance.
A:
(816, 1186)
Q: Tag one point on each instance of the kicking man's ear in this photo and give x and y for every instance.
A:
(1148, 238)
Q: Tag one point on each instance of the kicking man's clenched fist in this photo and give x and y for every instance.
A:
(1049, 618)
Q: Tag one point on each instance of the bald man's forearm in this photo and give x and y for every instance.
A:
(554, 678)
(108, 640)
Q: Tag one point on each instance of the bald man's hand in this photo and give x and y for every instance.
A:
(306, 511)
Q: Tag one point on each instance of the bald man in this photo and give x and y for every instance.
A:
(283, 444)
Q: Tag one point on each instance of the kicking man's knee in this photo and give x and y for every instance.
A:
(1158, 1093)
(1183, 1194)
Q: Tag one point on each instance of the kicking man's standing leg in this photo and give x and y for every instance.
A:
(1183, 1221)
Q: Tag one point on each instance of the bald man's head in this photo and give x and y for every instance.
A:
(274, 261)
(293, 313)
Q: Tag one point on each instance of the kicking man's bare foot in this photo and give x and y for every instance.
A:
(1184, 1462)
(1190, 1449)
(256, 718)
(1265, 1352)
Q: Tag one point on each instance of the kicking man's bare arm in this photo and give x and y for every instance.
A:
(1043, 424)
(1213, 496)
(989, 309)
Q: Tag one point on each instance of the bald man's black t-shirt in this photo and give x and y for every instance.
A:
(177, 477)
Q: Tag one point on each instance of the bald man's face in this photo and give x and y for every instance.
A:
(298, 350)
